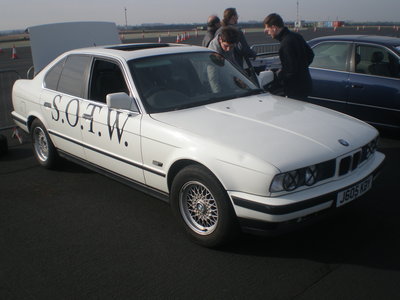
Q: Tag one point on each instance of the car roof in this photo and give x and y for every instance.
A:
(381, 40)
(138, 50)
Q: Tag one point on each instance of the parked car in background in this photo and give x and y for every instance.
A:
(358, 75)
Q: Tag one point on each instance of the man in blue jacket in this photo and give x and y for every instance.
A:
(295, 55)
(224, 43)
(242, 51)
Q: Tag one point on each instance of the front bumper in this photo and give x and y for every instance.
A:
(271, 214)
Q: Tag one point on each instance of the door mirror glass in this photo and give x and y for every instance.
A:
(265, 77)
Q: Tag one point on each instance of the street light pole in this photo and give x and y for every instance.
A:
(126, 20)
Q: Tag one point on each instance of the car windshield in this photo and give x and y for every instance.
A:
(177, 81)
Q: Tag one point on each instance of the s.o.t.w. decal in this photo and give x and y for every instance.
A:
(68, 113)
(116, 124)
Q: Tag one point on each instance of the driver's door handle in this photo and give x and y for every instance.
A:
(87, 117)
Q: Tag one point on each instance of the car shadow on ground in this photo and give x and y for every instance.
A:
(351, 238)
(24, 153)
(16, 154)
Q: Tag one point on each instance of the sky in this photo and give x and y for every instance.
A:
(21, 14)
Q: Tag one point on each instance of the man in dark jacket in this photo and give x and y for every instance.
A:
(295, 55)
(213, 23)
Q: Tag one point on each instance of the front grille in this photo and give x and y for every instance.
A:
(356, 160)
(344, 165)
(352, 162)
(326, 169)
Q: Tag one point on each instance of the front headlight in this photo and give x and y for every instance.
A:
(369, 149)
(307, 176)
(285, 182)
(290, 181)
(311, 175)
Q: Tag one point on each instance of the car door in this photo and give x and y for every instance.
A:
(330, 74)
(61, 100)
(375, 85)
(111, 137)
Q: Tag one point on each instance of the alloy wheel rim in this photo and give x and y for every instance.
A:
(198, 208)
(41, 144)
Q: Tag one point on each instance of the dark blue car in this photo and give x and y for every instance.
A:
(358, 75)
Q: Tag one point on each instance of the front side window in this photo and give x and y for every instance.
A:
(106, 78)
(375, 60)
(331, 55)
(177, 81)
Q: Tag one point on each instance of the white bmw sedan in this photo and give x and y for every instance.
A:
(185, 125)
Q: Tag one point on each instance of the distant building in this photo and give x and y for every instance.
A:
(330, 24)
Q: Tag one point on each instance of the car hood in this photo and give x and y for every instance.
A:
(286, 133)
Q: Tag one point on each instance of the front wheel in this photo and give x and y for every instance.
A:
(43, 149)
(203, 207)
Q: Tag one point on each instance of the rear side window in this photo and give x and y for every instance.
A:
(72, 77)
(331, 56)
(68, 76)
(375, 60)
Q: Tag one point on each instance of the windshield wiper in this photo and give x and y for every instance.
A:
(219, 99)
(250, 93)
(255, 92)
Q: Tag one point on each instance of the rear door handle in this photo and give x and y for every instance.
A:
(357, 86)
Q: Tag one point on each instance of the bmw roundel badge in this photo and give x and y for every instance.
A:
(344, 142)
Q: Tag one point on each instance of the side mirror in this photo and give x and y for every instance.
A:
(121, 101)
(265, 77)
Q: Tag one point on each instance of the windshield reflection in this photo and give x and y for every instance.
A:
(171, 82)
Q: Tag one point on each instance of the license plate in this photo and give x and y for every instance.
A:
(353, 192)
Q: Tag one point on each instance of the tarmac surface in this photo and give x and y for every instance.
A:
(75, 234)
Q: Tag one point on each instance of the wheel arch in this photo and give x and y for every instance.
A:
(30, 120)
(35, 116)
(181, 164)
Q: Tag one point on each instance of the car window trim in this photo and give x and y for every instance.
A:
(124, 74)
(61, 61)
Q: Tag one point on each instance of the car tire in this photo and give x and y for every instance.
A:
(203, 207)
(43, 148)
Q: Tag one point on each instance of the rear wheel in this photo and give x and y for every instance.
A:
(43, 149)
(203, 207)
